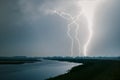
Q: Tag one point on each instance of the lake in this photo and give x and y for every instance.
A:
(35, 71)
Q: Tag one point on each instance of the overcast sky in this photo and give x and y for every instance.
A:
(27, 27)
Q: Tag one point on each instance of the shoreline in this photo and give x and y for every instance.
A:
(38, 71)
(92, 70)
(17, 62)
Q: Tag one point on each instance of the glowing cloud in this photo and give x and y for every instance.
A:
(88, 9)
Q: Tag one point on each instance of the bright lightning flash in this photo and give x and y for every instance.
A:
(88, 9)
(73, 20)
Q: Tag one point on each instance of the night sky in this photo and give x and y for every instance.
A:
(27, 28)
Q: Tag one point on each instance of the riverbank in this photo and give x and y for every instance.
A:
(35, 71)
(93, 69)
(18, 60)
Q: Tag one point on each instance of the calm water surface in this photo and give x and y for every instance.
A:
(35, 71)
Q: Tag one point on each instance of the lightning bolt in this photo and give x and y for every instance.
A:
(88, 9)
(89, 39)
(73, 20)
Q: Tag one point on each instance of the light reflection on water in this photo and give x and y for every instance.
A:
(35, 71)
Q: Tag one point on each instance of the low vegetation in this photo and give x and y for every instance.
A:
(93, 69)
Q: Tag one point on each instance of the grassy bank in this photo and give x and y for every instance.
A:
(93, 69)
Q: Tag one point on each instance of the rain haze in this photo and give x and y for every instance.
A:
(31, 28)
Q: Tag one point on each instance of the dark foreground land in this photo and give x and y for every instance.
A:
(18, 60)
(93, 69)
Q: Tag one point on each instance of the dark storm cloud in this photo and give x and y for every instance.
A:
(28, 28)
(24, 30)
(14, 30)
